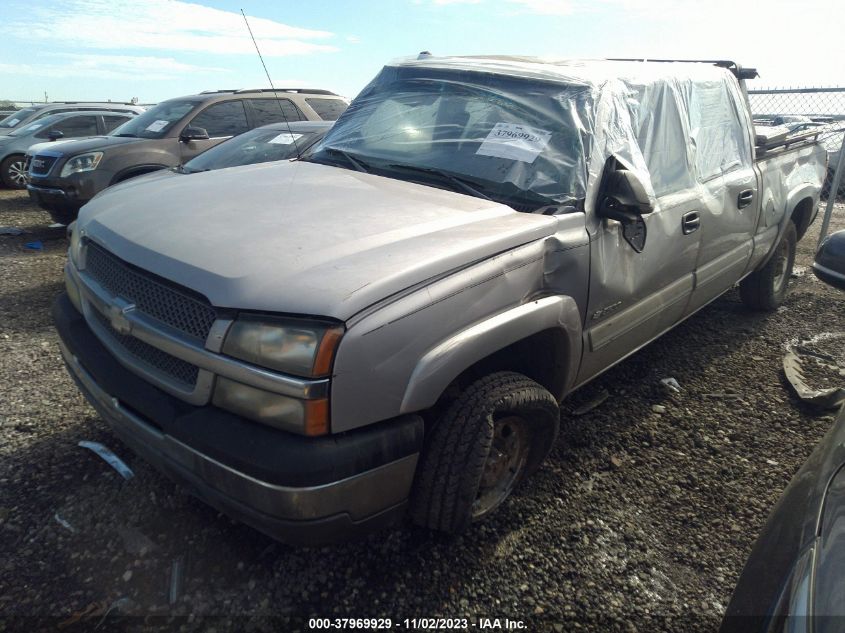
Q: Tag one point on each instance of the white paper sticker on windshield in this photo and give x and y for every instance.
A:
(285, 138)
(157, 126)
(517, 142)
(13, 122)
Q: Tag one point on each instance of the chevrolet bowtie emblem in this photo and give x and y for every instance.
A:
(118, 312)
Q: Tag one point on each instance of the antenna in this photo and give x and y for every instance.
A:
(275, 93)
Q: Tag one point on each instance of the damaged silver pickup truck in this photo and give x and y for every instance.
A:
(386, 326)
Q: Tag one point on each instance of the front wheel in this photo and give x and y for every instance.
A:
(496, 432)
(765, 289)
(12, 172)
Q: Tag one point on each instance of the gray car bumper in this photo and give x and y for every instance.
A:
(308, 515)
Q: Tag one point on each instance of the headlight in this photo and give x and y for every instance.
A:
(306, 417)
(301, 348)
(72, 289)
(75, 243)
(83, 162)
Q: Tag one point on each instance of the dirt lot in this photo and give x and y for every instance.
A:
(639, 521)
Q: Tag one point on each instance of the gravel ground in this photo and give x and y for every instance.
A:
(640, 520)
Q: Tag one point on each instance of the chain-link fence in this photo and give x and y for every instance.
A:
(802, 109)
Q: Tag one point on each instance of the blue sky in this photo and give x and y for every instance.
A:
(157, 49)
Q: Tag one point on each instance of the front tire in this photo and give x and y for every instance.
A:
(63, 216)
(12, 172)
(765, 289)
(495, 433)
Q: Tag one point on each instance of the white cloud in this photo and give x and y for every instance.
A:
(163, 25)
(108, 67)
(547, 7)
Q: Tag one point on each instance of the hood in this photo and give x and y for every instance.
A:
(48, 145)
(298, 237)
(71, 147)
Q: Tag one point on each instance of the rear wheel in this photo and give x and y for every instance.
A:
(496, 432)
(12, 172)
(765, 289)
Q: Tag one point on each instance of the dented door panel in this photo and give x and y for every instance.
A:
(634, 297)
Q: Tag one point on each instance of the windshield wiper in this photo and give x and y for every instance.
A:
(357, 163)
(445, 175)
(127, 135)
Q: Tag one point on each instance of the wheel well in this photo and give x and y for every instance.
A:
(539, 356)
(16, 155)
(801, 216)
(136, 171)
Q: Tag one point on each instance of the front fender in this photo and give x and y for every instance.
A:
(446, 361)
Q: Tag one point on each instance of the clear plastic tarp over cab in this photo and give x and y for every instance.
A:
(541, 131)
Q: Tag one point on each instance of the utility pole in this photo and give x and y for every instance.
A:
(45, 97)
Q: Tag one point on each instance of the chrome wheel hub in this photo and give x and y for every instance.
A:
(505, 462)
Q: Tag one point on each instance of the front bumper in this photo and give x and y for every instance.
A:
(69, 194)
(54, 199)
(293, 488)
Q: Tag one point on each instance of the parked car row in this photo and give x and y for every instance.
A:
(24, 116)
(64, 125)
(62, 178)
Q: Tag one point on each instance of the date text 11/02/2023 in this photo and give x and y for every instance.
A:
(416, 624)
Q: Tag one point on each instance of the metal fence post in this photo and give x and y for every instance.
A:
(831, 197)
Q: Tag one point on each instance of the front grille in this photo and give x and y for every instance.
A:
(179, 370)
(41, 165)
(191, 315)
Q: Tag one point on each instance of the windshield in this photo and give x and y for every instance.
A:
(14, 119)
(157, 121)
(257, 146)
(514, 140)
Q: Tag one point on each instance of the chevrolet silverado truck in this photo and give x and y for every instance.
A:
(386, 325)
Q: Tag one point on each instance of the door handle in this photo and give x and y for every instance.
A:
(690, 222)
(744, 198)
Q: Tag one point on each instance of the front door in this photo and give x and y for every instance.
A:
(221, 121)
(634, 297)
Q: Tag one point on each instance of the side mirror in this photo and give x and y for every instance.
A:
(193, 134)
(622, 197)
(830, 260)
(55, 135)
(623, 191)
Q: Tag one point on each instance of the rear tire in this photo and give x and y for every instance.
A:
(765, 289)
(495, 433)
(12, 172)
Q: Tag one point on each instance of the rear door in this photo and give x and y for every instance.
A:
(274, 110)
(720, 124)
(78, 126)
(111, 121)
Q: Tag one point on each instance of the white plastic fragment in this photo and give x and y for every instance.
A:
(671, 385)
(64, 523)
(110, 458)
